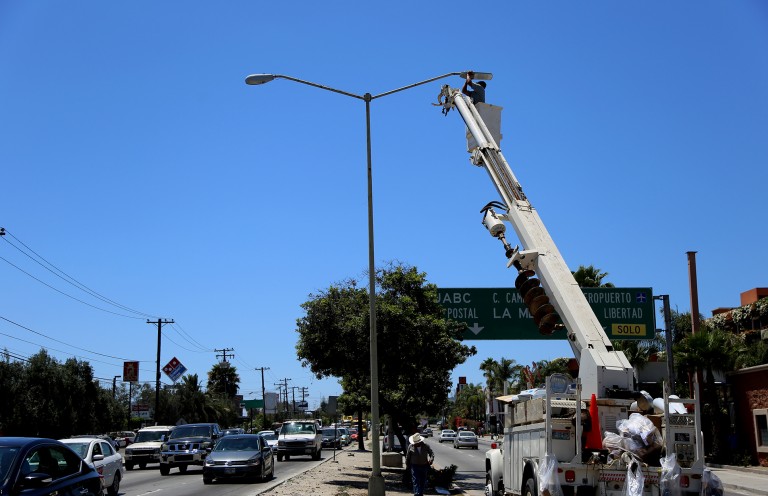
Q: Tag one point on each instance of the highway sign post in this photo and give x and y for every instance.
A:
(500, 313)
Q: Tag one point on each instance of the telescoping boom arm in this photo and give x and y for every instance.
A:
(555, 290)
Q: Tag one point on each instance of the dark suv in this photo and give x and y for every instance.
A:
(187, 445)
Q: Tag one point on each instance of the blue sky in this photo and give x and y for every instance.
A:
(136, 160)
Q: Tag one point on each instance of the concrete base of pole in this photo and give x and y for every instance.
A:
(376, 486)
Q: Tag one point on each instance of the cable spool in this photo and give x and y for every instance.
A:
(537, 301)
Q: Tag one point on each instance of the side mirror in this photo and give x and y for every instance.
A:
(98, 458)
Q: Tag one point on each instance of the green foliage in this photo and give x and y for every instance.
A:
(498, 374)
(418, 348)
(590, 277)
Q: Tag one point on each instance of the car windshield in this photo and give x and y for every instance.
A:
(7, 455)
(81, 448)
(330, 432)
(147, 436)
(297, 428)
(237, 444)
(190, 431)
(270, 436)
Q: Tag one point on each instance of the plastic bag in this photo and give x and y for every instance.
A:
(639, 435)
(710, 484)
(549, 484)
(633, 486)
(669, 483)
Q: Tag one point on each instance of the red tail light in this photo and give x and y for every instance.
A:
(100, 470)
(684, 481)
(570, 475)
(494, 445)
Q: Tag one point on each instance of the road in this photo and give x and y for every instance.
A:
(470, 474)
(149, 481)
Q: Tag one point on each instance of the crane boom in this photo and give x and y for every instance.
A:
(601, 368)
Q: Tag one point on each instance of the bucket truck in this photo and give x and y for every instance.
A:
(553, 428)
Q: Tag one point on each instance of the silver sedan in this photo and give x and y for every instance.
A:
(465, 439)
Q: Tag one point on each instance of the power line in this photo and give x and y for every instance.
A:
(66, 278)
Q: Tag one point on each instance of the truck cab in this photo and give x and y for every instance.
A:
(299, 437)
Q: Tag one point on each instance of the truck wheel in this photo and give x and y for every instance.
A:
(279, 458)
(165, 469)
(129, 466)
(183, 469)
(316, 454)
(490, 490)
(529, 488)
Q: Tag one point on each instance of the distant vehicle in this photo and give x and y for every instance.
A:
(271, 438)
(465, 439)
(187, 445)
(299, 437)
(331, 438)
(239, 456)
(345, 436)
(123, 438)
(233, 431)
(426, 432)
(446, 435)
(146, 446)
(39, 467)
(111, 441)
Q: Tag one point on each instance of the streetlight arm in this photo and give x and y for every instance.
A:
(255, 79)
(416, 84)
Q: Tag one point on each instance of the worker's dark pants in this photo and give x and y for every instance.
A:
(419, 475)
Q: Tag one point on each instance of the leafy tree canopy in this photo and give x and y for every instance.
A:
(417, 347)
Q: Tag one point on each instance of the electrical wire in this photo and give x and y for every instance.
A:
(189, 338)
(64, 276)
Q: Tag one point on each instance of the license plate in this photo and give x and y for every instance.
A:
(229, 470)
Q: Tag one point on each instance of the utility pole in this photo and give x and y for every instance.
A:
(284, 386)
(293, 399)
(114, 385)
(159, 322)
(263, 395)
(224, 353)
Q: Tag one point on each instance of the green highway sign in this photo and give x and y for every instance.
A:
(253, 404)
(500, 313)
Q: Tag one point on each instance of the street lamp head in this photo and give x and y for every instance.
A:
(255, 79)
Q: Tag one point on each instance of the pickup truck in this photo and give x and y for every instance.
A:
(299, 437)
(188, 444)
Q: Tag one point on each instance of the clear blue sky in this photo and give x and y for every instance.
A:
(136, 160)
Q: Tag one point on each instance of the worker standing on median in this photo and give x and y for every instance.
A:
(418, 459)
(477, 93)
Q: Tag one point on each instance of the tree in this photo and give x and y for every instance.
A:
(591, 277)
(422, 347)
(223, 380)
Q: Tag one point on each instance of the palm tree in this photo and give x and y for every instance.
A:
(591, 277)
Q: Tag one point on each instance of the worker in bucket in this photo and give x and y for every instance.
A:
(477, 93)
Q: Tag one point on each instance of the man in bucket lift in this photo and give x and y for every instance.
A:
(477, 93)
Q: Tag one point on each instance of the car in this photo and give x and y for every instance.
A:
(102, 455)
(331, 438)
(352, 434)
(188, 444)
(446, 435)
(271, 438)
(465, 439)
(146, 446)
(239, 456)
(37, 466)
(232, 431)
(299, 437)
(106, 437)
(345, 438)
(123, 438)
(426, 432)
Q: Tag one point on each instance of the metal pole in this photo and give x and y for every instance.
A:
(670, 336)
(157, 373)
(376, 482)
(693, 284)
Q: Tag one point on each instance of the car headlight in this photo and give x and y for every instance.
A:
(281, 443)
(206, 445)
(164, 447)
(310, 443)
(254, 460)
(208, 461)
(156, 451)
(128, 451)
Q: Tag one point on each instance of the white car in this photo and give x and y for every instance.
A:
(271, 438)
(102, 455)
(446, 435)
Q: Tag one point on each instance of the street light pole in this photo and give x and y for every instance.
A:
(376, 481)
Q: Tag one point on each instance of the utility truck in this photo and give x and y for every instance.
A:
(576, 436)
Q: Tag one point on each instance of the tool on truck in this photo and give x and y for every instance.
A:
(545, 449)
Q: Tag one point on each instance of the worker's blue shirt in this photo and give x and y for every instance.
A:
(477, 94)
